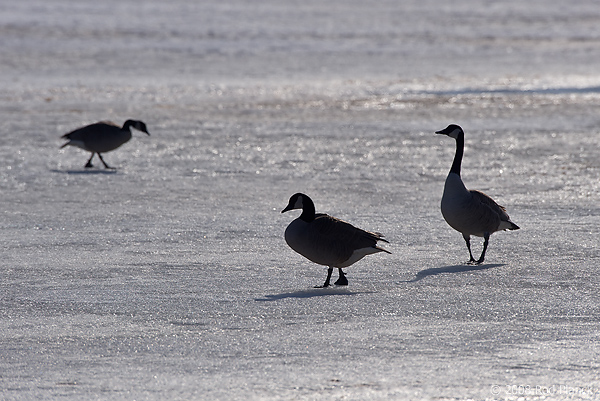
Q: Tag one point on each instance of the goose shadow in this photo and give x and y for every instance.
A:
(86, 172)
(316, 292)
(451, 269)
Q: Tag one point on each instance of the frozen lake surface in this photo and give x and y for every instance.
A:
(169, 278)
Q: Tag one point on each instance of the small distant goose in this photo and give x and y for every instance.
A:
(326, 240)
(470, 212)
(102, 137)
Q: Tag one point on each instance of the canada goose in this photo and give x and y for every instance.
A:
(470, 212)
(326, 240)
(102, 137)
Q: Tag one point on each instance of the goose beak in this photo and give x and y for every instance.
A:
(440, 132)
(287, 208)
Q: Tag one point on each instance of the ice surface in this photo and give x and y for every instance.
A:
(169, 278)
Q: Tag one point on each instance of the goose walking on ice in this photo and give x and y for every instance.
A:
(470, 212)
(326, 240)
(102, 137)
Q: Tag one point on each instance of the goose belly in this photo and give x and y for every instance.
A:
(459, 209)
(300, 238)
(78, 144)
(111, 142)
(457, 215)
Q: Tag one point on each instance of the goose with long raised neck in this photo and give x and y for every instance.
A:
(326, 240)
(102, 137)
(470, 212)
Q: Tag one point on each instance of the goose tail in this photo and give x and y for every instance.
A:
(379, 237)
(508, 225)
(383, 250)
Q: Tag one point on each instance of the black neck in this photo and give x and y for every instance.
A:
(127, 124)
(460, 145)
(308, 210)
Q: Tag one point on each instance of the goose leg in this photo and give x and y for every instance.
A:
(329, 272)
(342, 280)
(486, 240)
(103, 162)
(89, 162)
(468, 242)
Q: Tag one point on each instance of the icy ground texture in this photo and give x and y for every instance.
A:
(169, 278)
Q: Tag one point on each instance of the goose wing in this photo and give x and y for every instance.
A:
(491, 204)
(505, 222)
(340, 239)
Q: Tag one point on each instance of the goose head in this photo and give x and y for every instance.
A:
(138, 125)
(453, 131)
(297, 201)
(301, 201)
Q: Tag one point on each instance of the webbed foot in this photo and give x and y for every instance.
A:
(326, 284)
(342, 280)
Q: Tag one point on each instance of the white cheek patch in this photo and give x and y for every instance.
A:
(298, 204)
(454, 134)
